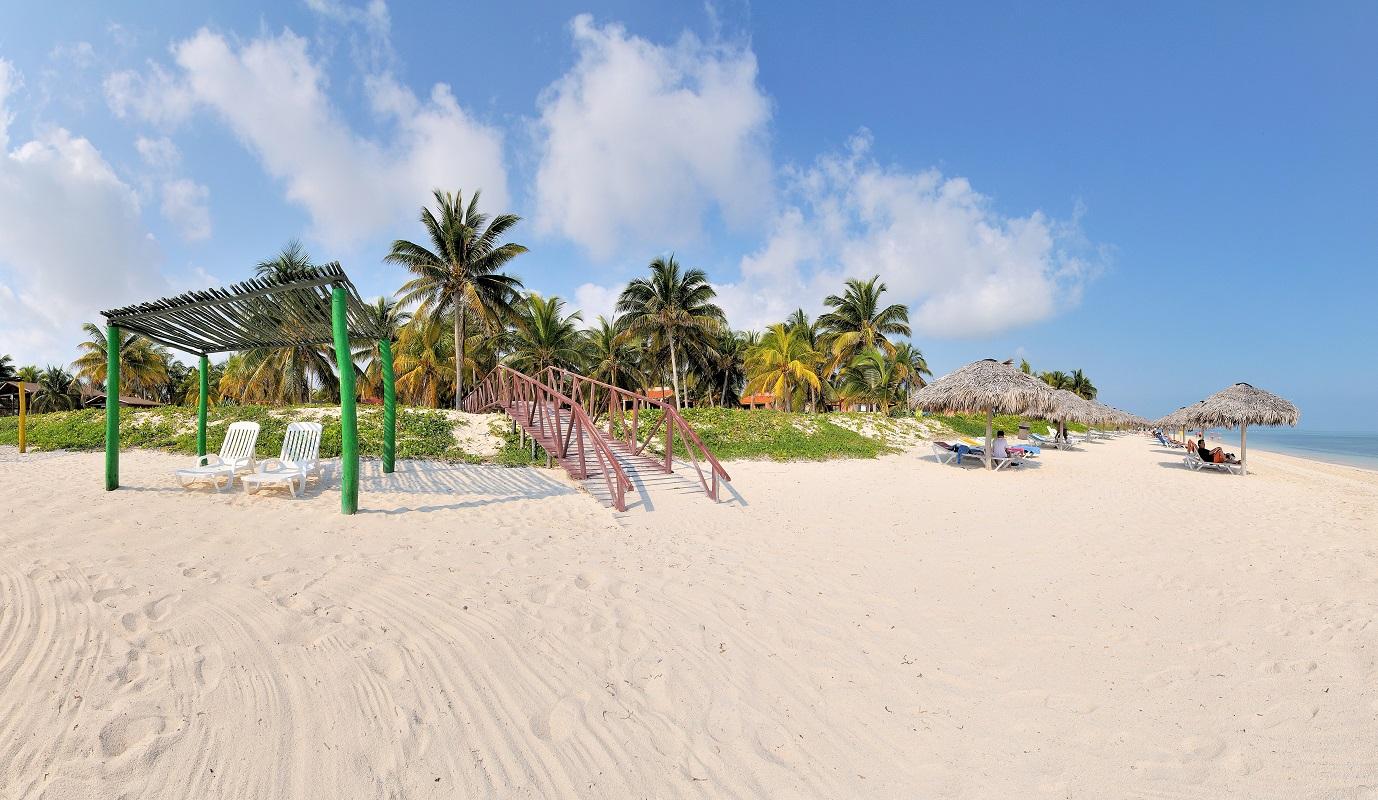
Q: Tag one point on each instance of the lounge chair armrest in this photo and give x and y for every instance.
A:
(271, 465)
(208, 460)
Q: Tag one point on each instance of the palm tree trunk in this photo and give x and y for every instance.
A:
(674, 372)
(459, 355)
(724, 390)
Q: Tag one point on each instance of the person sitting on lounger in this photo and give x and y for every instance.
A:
(1213, 456)
(1000, 448)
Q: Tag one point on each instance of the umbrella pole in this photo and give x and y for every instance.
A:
(990, 421)
(1244, 449)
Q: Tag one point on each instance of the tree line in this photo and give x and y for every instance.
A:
(461, 313)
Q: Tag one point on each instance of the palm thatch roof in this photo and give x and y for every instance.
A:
(987, 385)
(1241, 404)
(1071, 407)
(289, 311)
(1177, 419)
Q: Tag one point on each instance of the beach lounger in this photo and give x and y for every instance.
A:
(945, 453)
(1194, 462)
(1044, 441)
(300, 458)
(236, 455)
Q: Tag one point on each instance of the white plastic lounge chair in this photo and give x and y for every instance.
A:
(1044, 441)
(945, 455)
(236, 455)
(300, 458)
(1193, 461)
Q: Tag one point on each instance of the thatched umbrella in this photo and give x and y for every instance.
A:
(1242, 405)
(987, 386)
(1072, 407)
(1178, 419)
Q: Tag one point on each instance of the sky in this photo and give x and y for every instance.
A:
(1173, 197)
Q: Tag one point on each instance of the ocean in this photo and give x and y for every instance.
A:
(1352, 449)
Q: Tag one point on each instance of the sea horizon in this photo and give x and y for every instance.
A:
(1350, 449)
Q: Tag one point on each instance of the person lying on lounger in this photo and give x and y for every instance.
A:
(1214, 456)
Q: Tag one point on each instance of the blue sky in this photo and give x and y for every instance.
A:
(1078, 186)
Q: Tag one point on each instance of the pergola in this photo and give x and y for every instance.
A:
(310, 307)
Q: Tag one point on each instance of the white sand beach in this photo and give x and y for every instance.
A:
(1102, 624)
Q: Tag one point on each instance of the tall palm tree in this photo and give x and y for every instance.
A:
(461, 273)
(672, 307)
(189, 388)
(544, 336)
(57, 391)
(613, 356)
(858, 322)
(728, 361)
(7, 372)
(910, 366)
(870, 378)
(425, 361)
(143, 364)
(291, 371)
(386, 316)
(1081, 385)
(781, 364)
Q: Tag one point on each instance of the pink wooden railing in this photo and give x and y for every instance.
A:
(604, 398)
(567, 438)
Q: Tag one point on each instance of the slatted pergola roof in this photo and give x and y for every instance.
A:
(263, 312)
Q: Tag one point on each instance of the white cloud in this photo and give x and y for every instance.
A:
(272, 95)
(185, 206)
(160, 154)
(154, 96)
(72, 242)
(594, 300)
(639, 141)
(184, 202)
(939, 245)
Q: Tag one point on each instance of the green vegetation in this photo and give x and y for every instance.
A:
(975, 424)
(421, 433)
(732, 433)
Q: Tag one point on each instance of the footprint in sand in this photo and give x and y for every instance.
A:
(105, 594)
(558, 724)
(774, 743)
(387, 662)
(209, 665)
(160, 609)
(126, 732)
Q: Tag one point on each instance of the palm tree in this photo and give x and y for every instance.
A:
(857, 322)
(870, 378)
(288, 373)
(143, 364)
(461, 274)
(7, 372)
(1024, 366)
(386, 316)
(57, 391)
(543, 336)
(910, 368)
(425, 361)
(728, 361)
(612, 355)
(1056, 379)
(673, 308)
(781, 364)
(189, 388)
(28, 373)
(1081, 385)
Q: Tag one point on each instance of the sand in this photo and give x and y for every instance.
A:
(1106, 624)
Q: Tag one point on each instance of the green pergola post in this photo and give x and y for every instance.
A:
(349, 421)
(389, 407)
(201, 406)
(112, 408)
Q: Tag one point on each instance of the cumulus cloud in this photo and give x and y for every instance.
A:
(964, 268)
(72, 241)
(639, 141)
(184, 202)
(272, 95)
(595, 300)
(185, 205)
(154, 96)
